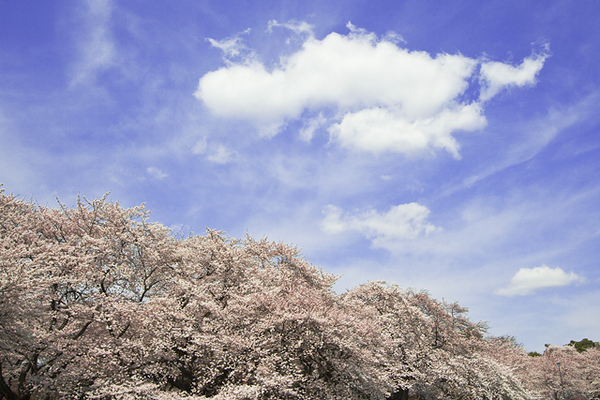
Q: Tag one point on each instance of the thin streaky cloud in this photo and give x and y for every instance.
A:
(94, 42)
(298, 27)
(232, 47)
(156, 173)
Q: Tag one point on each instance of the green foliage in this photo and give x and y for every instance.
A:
(583, 344)
(534, 354)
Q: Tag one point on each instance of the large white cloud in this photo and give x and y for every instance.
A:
(401, 222)
(384, 129)
(528, 280)
(384, 98)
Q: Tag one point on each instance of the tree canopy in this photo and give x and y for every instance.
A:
(96, 302)
(583, 344)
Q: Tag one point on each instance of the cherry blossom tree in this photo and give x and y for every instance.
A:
(96, 302)
(74, 283)
(269, 321)
(578, 373)
(432, 349)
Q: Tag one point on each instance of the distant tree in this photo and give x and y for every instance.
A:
(579, 373)
(583, 344)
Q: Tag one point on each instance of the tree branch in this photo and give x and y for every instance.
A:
(124, 330)
(82, 330)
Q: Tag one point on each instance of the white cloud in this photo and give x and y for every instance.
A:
(216, 153)
(382, 129)
(220, 154)
(156, 172)
(401, 222)
(495, 76)
(311, 126)
(527, 280)
(95, 45)
(298, 27)
(231, 47)
(384, 98)
(200, 147)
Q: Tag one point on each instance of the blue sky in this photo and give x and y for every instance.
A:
(448, 146)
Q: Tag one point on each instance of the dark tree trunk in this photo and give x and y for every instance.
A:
(7, 393)
(401, 394)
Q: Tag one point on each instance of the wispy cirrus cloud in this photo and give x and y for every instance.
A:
(156, 173)
(381, 97)
(94, 43)
(214, 152)
(298, 27)
(231, 47)
(528, 280)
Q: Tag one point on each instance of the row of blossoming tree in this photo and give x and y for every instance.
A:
(98, 303)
